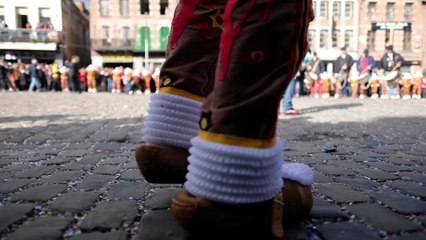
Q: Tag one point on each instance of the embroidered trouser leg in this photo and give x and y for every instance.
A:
(236, 157)
(186, 77)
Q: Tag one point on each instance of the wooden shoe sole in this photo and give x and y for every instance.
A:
(162, 164)
(202, 217)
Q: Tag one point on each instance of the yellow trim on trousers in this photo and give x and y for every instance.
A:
(235, 140)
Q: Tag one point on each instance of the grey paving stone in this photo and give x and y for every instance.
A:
(39, 193)
(341, 193)
(162, 198)
(349, 164)
(93, 182)
(131, 174)
(389, 167)
(35, 172)
(346, 231)
(92, 159)
(18, 137)
(400, 203)
(76, 166)
(411, 176)
(160, 224)
(16, 167)
(13, 185)
(125, 190)
(422, 219)
(58, 161)
(111, 214)
(5, 176)
(108, 147)
(388, 221)
(74, 153)
(334, 170)
(74, 202)
(107, 169)
(376, 174)
(362, 184)
(411, 188)
(364, 158)
(321, 178)
(118, 137)
(399, 161)
(131, 164)
(323, 209)
(42, 228)
(5, 162)
(413, 236)
(79, 146)
(115, 160)
(113, 235)
(64, 177)
(11, 213)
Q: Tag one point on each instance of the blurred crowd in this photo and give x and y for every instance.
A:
(363, 78)
(386, 78)
(70, 77)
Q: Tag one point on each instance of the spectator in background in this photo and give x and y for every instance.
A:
(74, 69)
(82, 79)
(35, 76)
(342, 67)
(56, 82)
(3, 75)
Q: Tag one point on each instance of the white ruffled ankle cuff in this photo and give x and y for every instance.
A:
(298, 172)
(171, 120)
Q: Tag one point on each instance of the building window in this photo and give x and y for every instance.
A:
(349, 9)
(408, 11)
(22, 18)
(44, 14)
(390, 11)
(145, 38)
(124, 8)
(1, 13)
(164, 4)
(314, 8)
(371, 40)
(164, 37)
(144, 7)
(104, 7)
(323, 38)
(324, 9)
(348, 38)
(406, 45)
(126, 36)
(371, 11)
(335, 38)
(387, 37)
(336, 9)
(105, 35)
(311, 39)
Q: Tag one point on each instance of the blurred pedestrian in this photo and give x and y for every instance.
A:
(35, 76)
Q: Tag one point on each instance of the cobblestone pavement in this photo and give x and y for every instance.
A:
(67, 169)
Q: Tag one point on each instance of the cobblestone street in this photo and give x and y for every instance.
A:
(67, 169)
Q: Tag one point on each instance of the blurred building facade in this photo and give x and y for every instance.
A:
(369, 24)
(130, 33)
(48, 30)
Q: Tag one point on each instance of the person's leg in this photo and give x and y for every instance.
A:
(286, 105)
(236, 159)
(185, 81)
(32, 84)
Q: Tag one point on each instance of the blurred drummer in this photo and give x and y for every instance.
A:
(315, 67)
(342, 68)
(365, 66)
(391, 63)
